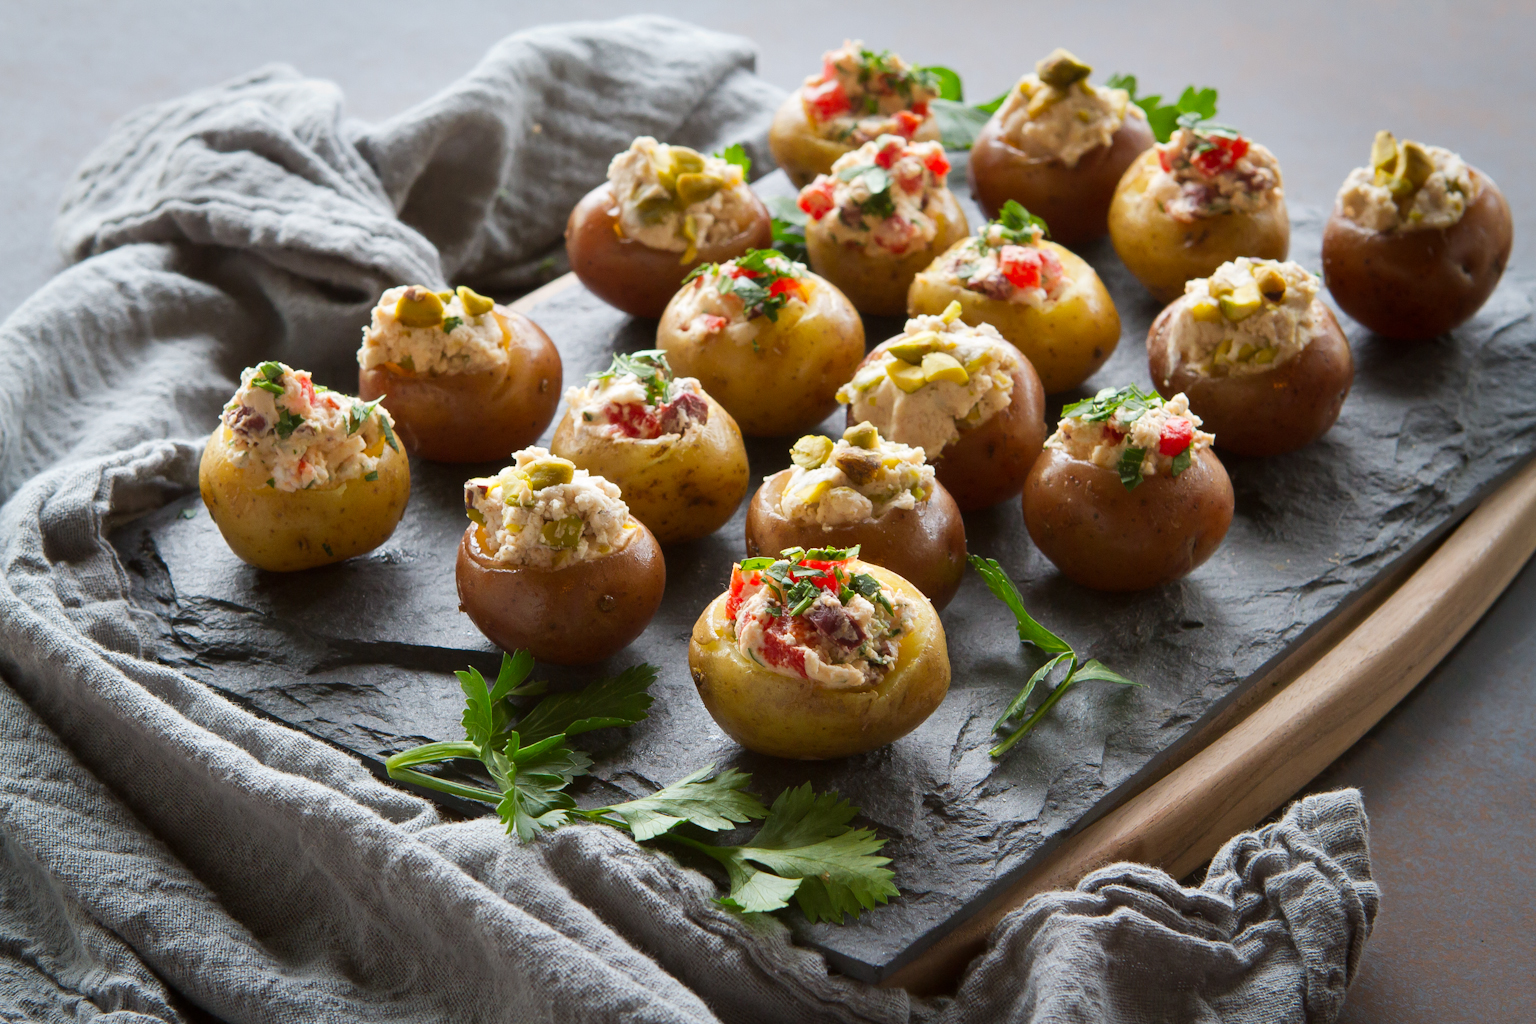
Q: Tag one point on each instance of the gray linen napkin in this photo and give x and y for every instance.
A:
(161, 849)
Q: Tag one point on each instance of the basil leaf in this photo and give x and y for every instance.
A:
(1129, 467)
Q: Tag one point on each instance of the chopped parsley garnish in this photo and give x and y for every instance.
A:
(757, 283)
(269, 378)
(736, 154)
(1162, 117)
(650, 368)
(878, 181)
(1102, 406)
(789, 223)
(359, 413)
(271, 483)
(287, 423)
(1017, 225)
(452, 322)
(796, 586)
(371, 477)
(1129, 467)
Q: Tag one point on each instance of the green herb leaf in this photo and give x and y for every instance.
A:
(1181, 461)
(649, 366)
(945, 81)
(287, 423)
(1094, 670)
(736, 154)
(752, 564)
(371, 477)
(1129, 467)
(452, 322)
(753, 891)
(959, 124)
(1030, 631)
(1164, 118)
(714, 804)
(1018, 224)
(269, 378)
(1043, 672)
(993, 105)
(1104, 404)
(788, 227)
(621, 700)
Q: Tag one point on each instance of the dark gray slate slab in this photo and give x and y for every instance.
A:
(359, 654)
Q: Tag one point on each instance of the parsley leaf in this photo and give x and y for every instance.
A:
(270, 378)
(960, 124)
(1129, 466)
(736, 154)
(1181, 461)
(944, 81)
(1162, 117)
(1030, 631)
(622, 700)
(451, 323)
(1018, 225)
(287, 423)
(788, 227)
(649, 366)
(1103, 405)
(714, 804)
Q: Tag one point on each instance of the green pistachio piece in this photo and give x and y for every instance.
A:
(549, 472)
(562, 533)
(1061, 69)
(811, 451)
(905, 376)
(695, 188)
(1241, 304)
(655, 207)
(1205, 311)
(858, 465)
(939, 366)
(686, 161)
(418, 307)
(1383, 151)
(862, 435)
(1271, 285)
(473, 302)
(1415, 165)
(1222, 350)
(1265, 355)
(911, 350)
(446, 296)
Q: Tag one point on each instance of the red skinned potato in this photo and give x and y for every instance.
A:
(1265, 413)
(924, 545)
(1074, 200)
(474, 417)
(1106, 537)
(1424, 282)
(634, 277)
(574, 614)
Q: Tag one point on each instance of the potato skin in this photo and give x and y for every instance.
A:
(680, 489)
(990, 463)
(924, 545)
(1419, 284)
(577, 614)
(1269, 413)
(634, 277)
(474, 417)
(284, 531)
(786, 381)
(1103, 536)
(786, 716)
(1065, 344)
(1073, 200)
(877, 283)
(803, 154)
(1163, 253)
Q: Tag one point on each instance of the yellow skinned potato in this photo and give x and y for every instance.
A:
(803, 153)
(284, 531)
(875, 281)
(1164, 253)
(794, 717)
(782, 381)
(680, 486)
(1065, 343)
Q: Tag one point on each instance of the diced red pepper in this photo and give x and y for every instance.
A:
(714, 324)
(907, 123)
(816, 198)
(1164, 160)
(307, 387)
(1177, 434)
(634, 420)
(739, 583)
(1020, 265)
(827, 100)
(937, 164)
(911, 182)
(791, 286)
(779, 648)
(920, 108)
(738, 271)
(1224, 152)
(889, 154)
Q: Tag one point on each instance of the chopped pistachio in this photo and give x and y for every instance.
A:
(652, 208)
(474, 303)
(695, 188)
(816, 492)
(418, 307)
(1383, 151)
(1222, 351)
(1205, 311)
(1061, 69)
(549, 473)
(1271, 285)
(1265, 355)
(446, 296)
(1218, 288)
(951, 312)
(939, 366)
(1241, 304)
(906, 376)
(1415, 165)
(857, 464)
(562, 533)
(862, 435)
(811, 451)
(911, 350)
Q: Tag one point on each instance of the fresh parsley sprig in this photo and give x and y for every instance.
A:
(1062, 655)
(649, 366)
(806, 850)
(269, 378)
(1163, 118)
(736, 154)
(1017, 225)
(959, 122)
(789, 223)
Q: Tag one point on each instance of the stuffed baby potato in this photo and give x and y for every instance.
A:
(858, 96)
(1059, 146)
(769, 340)
(464, 379)
(296, 475)
(818, 655)
(1417, 241)
(971, 401)
(553, 562)
(870, 495)
(881, 215)
(1263, 361)
(663, 211)
(1205, 197)
(675, 454)
(1128, 494)
(1041, 297)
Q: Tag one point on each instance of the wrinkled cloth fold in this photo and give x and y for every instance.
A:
(163, 849)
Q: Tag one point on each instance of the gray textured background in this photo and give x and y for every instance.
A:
(1449, 776)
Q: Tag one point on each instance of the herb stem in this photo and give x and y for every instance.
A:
(433, 752)
(458, 789)
(1040, 712)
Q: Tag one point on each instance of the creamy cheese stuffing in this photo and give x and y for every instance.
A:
(1208, 171)
(817, 620)
(1056, 114)
(542, 512)
(735, 298)
(1410, 187)
(1006, 264)
(303, 435)
(419, 331)
(679, 200)
(639, 399)
(861, 95)
(860, 477)
(1250, 316)
(1131, 432)
(884, 196)
(940, 378)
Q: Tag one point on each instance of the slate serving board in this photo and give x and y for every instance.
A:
(359, 654)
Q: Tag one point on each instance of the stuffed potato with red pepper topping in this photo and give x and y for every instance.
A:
(1128, 494)
(466, 380)
(663, 211)
(818, 655)
(881, 215)
(676, 455)
(1206, 196)
(769, 340)
(858, 96)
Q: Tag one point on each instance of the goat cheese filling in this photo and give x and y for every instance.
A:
(1056, 114)
(676, 199)
(542, 512)
(414, 330)
(1248, 317)
(1134, 433)
(884, 196)
(860, 477)
(1408, 187)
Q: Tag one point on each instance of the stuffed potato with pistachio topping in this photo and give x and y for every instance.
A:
(663, 211)
(297, 476)
(553, 562)
(817, 654)
(465, 379)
